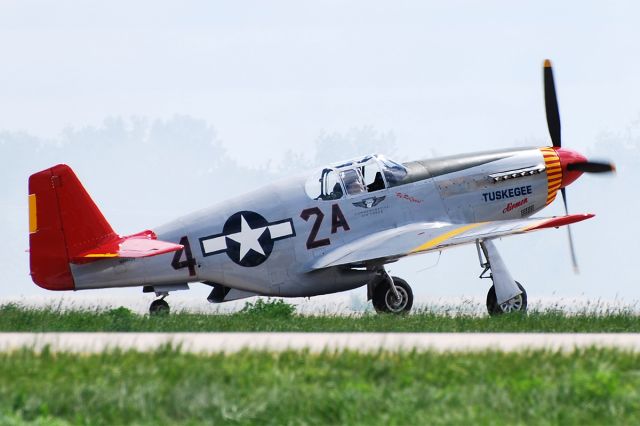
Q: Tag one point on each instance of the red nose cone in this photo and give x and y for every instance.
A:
(569, 157)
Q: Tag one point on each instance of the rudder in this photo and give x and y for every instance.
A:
(63, 222)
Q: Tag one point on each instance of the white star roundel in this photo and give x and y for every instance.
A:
(247, 238)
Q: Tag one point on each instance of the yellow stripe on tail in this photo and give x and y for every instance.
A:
(33, 214)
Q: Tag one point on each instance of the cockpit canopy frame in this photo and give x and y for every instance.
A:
(355, 177)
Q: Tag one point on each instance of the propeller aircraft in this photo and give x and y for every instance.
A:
(330, 230)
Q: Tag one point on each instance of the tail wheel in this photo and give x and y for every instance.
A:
(159, 307)
(385, 301)
(517, 304)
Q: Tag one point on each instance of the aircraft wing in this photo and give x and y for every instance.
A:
(417, 238)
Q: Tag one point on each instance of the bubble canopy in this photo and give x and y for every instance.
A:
(355, 177)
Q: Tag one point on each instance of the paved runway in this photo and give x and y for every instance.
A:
(316, 342)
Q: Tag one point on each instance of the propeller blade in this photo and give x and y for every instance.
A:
(574, 260)
(551, 105)
(591, 167)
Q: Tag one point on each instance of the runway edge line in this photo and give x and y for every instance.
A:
(316, 342)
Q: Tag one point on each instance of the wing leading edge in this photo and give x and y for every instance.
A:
(417, 238)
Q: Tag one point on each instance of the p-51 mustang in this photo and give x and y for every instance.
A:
(330, 231)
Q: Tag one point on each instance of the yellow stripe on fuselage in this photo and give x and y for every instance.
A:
(33, 214)
(102, 255)
(441, 238)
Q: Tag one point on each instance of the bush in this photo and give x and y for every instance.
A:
(276, 308)
(121, 318)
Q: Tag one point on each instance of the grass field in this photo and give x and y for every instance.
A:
(167, 387)
(276, 315)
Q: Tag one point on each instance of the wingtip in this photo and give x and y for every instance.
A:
(558, 221)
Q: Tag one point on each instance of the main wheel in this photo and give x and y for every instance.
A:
(384, 301)
(517, 304)
(159, 307)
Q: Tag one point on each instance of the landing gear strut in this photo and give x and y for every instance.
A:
(392, 295)
(506, 294)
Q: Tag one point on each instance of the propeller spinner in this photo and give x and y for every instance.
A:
(573, 164)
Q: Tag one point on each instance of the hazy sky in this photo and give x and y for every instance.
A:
(272, 77)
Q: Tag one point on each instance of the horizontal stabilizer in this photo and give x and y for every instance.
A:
(143, 244)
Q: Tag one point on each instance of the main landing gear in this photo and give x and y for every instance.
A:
(390, 294)
(518, 303)
(505, 295)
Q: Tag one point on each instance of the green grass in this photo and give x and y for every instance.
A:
(167, 387)
(279, 316)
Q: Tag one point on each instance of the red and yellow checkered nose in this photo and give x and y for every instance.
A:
(559, 174)
(568, 157)
(554, 172)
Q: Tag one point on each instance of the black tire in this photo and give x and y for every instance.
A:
(384, 300)
(159, 307)
(519, 305)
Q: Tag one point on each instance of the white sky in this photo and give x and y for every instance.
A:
(457, 76)
(444, 77)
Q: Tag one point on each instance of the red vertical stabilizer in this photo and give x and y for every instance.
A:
(63, 222)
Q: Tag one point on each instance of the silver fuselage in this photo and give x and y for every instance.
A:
(489, 186)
